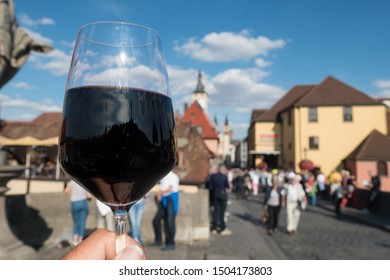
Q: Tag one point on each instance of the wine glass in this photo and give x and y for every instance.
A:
(117, 137)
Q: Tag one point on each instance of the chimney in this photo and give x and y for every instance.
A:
(185, 106)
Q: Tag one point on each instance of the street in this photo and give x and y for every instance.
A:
(321, 236)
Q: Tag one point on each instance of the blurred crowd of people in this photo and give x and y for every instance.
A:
(283, 188)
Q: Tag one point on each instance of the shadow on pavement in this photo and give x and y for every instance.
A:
(25, 222)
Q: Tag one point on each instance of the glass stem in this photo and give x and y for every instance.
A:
(120, 230)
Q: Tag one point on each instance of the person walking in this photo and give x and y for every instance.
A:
(168, 207)
(79, 208)
(296, 202)
(349, 191)
(255, 181)
(311, 189)
(274, 200)
(135, 214)
(265, 180)
(218, 185)
(375, 186)
(239, 182)
(321, 183)
(336, 192)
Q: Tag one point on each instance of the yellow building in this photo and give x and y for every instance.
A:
(265, 141)
(323, 123)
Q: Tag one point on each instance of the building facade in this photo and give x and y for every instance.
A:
(323, 123)
(241, 153)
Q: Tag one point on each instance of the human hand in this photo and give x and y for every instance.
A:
(100, 245)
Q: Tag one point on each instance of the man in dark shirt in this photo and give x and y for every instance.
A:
(375, 189)
(218, 184)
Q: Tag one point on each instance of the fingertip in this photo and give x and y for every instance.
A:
(131, 252)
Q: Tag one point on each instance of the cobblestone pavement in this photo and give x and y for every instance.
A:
(248, 239)
(322, 236)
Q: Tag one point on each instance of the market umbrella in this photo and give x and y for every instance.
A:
(15, 43)
(306, 164)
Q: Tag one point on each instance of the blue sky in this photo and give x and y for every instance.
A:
(250, 52)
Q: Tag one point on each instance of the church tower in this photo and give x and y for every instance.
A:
(200, 95)
(225, 138)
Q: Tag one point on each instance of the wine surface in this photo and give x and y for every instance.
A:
(117, 143)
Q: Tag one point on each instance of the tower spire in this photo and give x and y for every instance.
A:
(199, 86)
(200, 95)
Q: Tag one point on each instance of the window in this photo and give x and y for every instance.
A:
(382, 168)
(347, 113)
(313, 143)
(312, 114)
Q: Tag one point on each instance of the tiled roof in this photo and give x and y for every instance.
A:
(197, 116)
(44, 126)
(48, 118)
(256, 115)
(288, 100)
(332, 92)
(375, 146)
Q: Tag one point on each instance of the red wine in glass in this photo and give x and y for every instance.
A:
(117, 144)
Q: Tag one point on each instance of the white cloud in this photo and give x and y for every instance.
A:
(260, 62)
(182, 81)
(384, 88)
(25, 20)
(22, 85)
(38, 37)
(243, 89)
(382, 84)
(46, 105)
(228, 46)
(57, 62)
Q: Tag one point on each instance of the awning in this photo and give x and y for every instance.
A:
(28, 141)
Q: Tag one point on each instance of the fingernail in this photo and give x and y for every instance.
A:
(131, 252)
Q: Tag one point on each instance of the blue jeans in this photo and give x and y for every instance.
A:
(135, 214)
(219, 203)
(168, 215)
(313, 199)
(79, 215)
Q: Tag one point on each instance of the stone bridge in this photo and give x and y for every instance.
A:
(38, 214)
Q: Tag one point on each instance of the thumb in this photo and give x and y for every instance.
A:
(131, 252)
